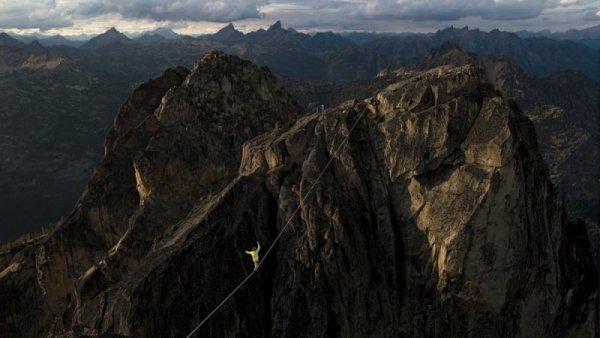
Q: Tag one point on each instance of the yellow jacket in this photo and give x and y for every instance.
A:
(254, 253)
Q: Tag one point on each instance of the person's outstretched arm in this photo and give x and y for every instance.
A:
(258, 247)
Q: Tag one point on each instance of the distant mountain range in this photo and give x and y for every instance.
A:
(588, 36)
(163, 32)
(538, 56)
(154, 36)
(48, 41)
(55, 40)
(360, 38)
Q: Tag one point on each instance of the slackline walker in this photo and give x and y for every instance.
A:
(254, 254)
(258, 264)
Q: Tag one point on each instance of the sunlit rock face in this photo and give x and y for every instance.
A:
(435, 217)
(565, 112)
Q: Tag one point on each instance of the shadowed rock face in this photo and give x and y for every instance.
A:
(436, 217)
(163, 153)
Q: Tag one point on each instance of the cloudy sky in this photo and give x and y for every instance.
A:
(76, 17)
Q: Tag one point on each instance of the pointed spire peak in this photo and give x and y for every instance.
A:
(275, 26)
(228, 34)
(227, 30)
(108, 38)
(229, 27)
(113, 32)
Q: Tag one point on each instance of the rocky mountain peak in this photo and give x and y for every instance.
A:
(569, 168)
(229, 28)
(110, 39)
(228, 34)
(113, 33)
(176, 140)
(225, 80)
(275, 27)
(449, 53)
(425, 206)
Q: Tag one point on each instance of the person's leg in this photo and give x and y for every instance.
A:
(255, 265)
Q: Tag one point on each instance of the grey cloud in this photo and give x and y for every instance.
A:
(448, 10)
(304, 14)
(28, 14)
(430, 15)
(174, 10)
(516, 10)
(48, 14)
(575, 2)
(591, 14)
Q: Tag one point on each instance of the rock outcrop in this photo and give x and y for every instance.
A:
(565, 111)
(110, 39)
(176, 138)
(436, 217)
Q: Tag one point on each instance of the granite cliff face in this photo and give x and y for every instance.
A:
(435, 218)
(565, 110)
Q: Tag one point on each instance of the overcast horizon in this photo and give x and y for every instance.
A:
(91, 17)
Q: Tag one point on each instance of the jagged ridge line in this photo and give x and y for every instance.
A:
(289, 221)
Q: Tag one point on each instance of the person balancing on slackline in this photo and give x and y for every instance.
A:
(254, 254)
